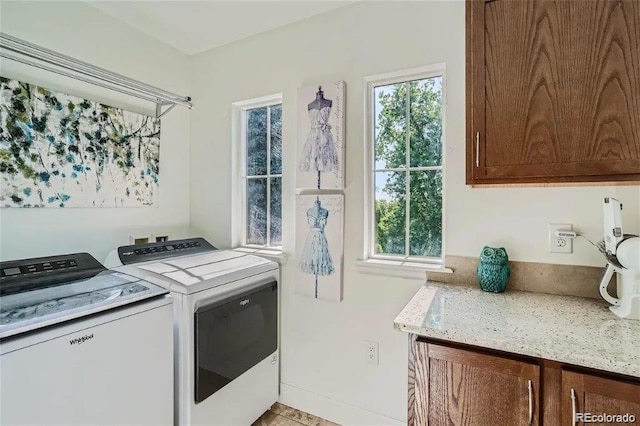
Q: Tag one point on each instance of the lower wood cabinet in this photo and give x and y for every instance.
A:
(467, 386)
(460, 387)
(587, 395)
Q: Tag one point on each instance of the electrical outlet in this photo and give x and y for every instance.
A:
(371, 352)
(560, 244)
(140, 239)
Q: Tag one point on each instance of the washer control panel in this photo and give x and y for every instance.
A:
(28, 274)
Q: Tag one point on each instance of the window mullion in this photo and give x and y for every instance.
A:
(407, 195)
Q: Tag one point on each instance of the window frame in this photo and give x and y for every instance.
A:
(370, 83)
(241, 178)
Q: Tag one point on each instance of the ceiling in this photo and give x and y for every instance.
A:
(196, 26)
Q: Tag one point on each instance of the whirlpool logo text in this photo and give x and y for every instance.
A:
(81, 340)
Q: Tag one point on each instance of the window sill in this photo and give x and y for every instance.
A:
(275, 255)
(399, 268)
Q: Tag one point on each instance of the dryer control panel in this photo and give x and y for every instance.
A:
(162, 250)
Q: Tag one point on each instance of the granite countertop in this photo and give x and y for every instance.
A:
(571, 330)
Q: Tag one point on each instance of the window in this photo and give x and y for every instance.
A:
(405, 173)
(261, 184)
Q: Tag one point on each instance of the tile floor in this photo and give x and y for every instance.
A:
(282, 415)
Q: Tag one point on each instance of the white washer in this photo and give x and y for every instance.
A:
(82, 345)
(226, 327)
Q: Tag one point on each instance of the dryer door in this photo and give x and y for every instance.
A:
(233, 335)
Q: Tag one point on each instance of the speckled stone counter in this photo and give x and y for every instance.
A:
(571, 330)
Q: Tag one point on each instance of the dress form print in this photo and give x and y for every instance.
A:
(319, 153)
(316, 259)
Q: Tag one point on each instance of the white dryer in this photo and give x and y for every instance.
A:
(225, 324)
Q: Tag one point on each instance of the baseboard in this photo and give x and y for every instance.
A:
(332, 410)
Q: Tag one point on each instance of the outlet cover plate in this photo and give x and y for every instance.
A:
(560, 244)
(141, 239)
(371, 352)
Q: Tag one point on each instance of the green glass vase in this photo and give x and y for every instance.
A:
(493, 269)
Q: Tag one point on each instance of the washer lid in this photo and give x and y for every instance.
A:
(34, 309)
(190, 274)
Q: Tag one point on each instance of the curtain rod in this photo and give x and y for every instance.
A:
(50, 60)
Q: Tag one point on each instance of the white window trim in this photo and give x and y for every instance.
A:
(399, 268)
(238, 188)
(397, 265)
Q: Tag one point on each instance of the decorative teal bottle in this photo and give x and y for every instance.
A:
(493, 270)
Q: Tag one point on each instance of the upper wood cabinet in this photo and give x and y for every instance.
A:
(553, 91)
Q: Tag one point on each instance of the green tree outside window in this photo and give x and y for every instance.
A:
(408, 150)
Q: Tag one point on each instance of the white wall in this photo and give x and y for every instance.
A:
(79, 30)
(323, 367)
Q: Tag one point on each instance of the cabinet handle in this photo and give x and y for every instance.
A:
(530, 386)
(477, 149)
(573, 406)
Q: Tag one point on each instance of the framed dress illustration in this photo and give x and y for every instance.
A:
(319, 233)
(320, 142)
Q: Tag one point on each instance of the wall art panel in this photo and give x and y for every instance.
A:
(58, 150)
(320, 145)
(319, 230)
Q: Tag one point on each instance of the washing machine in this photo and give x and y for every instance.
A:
(82, 345)
(226, 326)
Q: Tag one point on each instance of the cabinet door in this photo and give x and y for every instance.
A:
(604, 74)
(583, 393)
(553, 91)
(461, 387)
